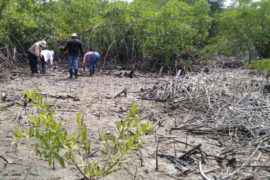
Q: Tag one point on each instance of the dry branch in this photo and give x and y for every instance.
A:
(63, 97)
(124, 91)
(202, 173)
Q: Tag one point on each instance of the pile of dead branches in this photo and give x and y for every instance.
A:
(231, 108)
(11, 58)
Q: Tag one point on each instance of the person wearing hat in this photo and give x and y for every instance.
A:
(34, 55)
(75, 50)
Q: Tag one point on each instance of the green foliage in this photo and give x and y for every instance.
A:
(48, 135)
(162, 29)
(52, 141)
(261, 64)
(176, 28)
(244, 29)
(216, 6)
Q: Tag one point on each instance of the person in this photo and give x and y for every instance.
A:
(91, 57)
(75, 50)
(46, 58)
(34, 55)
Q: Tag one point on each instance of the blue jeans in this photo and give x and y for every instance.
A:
(93, 60)
(73, 62)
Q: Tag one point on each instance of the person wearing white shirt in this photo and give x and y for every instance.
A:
(46, 58)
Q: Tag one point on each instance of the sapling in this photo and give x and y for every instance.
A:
(50, 140)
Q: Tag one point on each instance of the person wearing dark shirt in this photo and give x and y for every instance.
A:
(74, 51)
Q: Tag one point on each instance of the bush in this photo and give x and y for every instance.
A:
(261, 64)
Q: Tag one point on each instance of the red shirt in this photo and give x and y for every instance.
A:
(86, 57)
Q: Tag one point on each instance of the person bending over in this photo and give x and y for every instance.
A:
(46, 58)
(34, 55)
(91, 57)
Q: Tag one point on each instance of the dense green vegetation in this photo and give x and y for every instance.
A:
(160, 29)
(243, 29)
(261, 64)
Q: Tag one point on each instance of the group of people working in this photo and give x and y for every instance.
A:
(74, 50)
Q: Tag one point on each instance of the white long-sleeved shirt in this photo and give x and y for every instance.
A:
(48, 55)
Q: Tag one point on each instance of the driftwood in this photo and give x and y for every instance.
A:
(191, 151)
(8, 105)
(184, 163)
(186, 159)
(202, 173)
(124, 91)
(74, 98)
(157, 154)
(231, 108)
(130, 74)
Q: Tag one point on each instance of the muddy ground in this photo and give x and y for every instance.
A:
(96, 102)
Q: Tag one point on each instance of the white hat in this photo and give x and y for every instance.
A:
(74, 35)
(43, 43)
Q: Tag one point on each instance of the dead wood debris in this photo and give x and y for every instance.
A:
(231, 108)
(125, 74)
(124, 91)
(63, 97)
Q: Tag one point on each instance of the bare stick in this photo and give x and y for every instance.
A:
(244, 164)
(27, 173)
(191, 151)
(174, 147)
(141, 158)
(160, 71)
(157, 154)
(202, 173)
(186, 139)
(124, 91)
(135, 174)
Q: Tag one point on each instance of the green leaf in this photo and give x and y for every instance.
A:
(34, 94)
(37, 133)
(50, 159)
(84, 134)
(60, 159)
(78, 119)
(136, 122)
(18, 133)
(103, 136)
(118, 125)
(30, 132)
(129, 144)
(133, 109)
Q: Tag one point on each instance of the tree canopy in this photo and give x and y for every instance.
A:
(162, 29)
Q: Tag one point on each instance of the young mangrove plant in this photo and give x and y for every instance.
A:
(55, 143)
